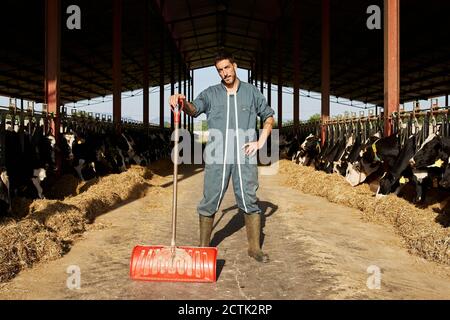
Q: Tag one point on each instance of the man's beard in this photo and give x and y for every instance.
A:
(229, 80)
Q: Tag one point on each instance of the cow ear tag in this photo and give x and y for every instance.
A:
(403, 180)
(374, 148)
(439, 163)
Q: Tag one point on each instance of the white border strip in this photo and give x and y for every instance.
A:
(225, 153)
(238, 151)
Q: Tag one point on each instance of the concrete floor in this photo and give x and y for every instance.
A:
(318, 250)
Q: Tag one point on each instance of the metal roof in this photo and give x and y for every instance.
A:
(248, 28)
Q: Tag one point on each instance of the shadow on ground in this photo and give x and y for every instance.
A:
(237, 222)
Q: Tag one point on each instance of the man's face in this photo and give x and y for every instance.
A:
(227, 71)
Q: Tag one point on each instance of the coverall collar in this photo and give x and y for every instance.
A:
(225, 87)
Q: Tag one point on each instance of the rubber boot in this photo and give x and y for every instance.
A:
(206, 224)
(253, 226)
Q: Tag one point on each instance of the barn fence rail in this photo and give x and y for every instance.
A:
(25, 120)
(422, 122)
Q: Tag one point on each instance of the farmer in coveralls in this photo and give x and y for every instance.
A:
(231, 108)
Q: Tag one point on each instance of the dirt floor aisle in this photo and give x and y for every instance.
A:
(318, 250)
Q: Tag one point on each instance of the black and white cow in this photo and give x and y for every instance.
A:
(429, 165)
(350, 157)
(289, 145)
(80, 154)
(308, 151)
(330, 155)
(5, 196)
(350, 154)
(133, 151)
(377, 152)
(28, 164)
(395, 177)
(434, 148)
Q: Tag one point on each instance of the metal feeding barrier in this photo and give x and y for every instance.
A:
(421, 122)
(434, 120)
(26, 120)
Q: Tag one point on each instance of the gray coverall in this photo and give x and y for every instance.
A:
(226, 114)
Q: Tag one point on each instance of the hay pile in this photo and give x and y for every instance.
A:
(24, 243)
(49, 227)
(421, 234)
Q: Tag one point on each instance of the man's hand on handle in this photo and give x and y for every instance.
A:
(188, 107)
(173, 100)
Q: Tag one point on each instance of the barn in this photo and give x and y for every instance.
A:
(350, 206)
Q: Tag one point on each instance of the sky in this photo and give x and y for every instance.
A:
(203, 78)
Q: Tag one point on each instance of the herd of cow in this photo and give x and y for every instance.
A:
(30, 159)
(87, 152)
(392, 162)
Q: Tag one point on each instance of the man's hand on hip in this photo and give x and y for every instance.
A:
(250, 148)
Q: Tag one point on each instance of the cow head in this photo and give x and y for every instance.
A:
(38, 176)
(5, 195)
(445, 181)
(69, 139)
(370, 153)
(358, 171)
(387, 182)
(340, 167)
(308, 150)
(428, 153)
(50, 141)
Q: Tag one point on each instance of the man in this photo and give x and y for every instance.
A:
(231, 108)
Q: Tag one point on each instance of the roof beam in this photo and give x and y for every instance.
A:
(212, 47)
(406, 92)
(416, 68)
(193, 29)
(191, 17)
(210, 33)
(175, 44)
(411, 81)
(213, 13)
(212, 57)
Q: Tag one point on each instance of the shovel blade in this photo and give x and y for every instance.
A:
(163, 263)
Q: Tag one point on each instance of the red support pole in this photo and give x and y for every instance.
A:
(325, 106)
(188, 72)
(185, 94)
(280, 78)
(391, 62)
(145, 64)
(191, 98)
(269, 81)
(52, 68)
(117, 63)
(296, 62)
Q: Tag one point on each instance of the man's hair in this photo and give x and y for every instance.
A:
(223, 55)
